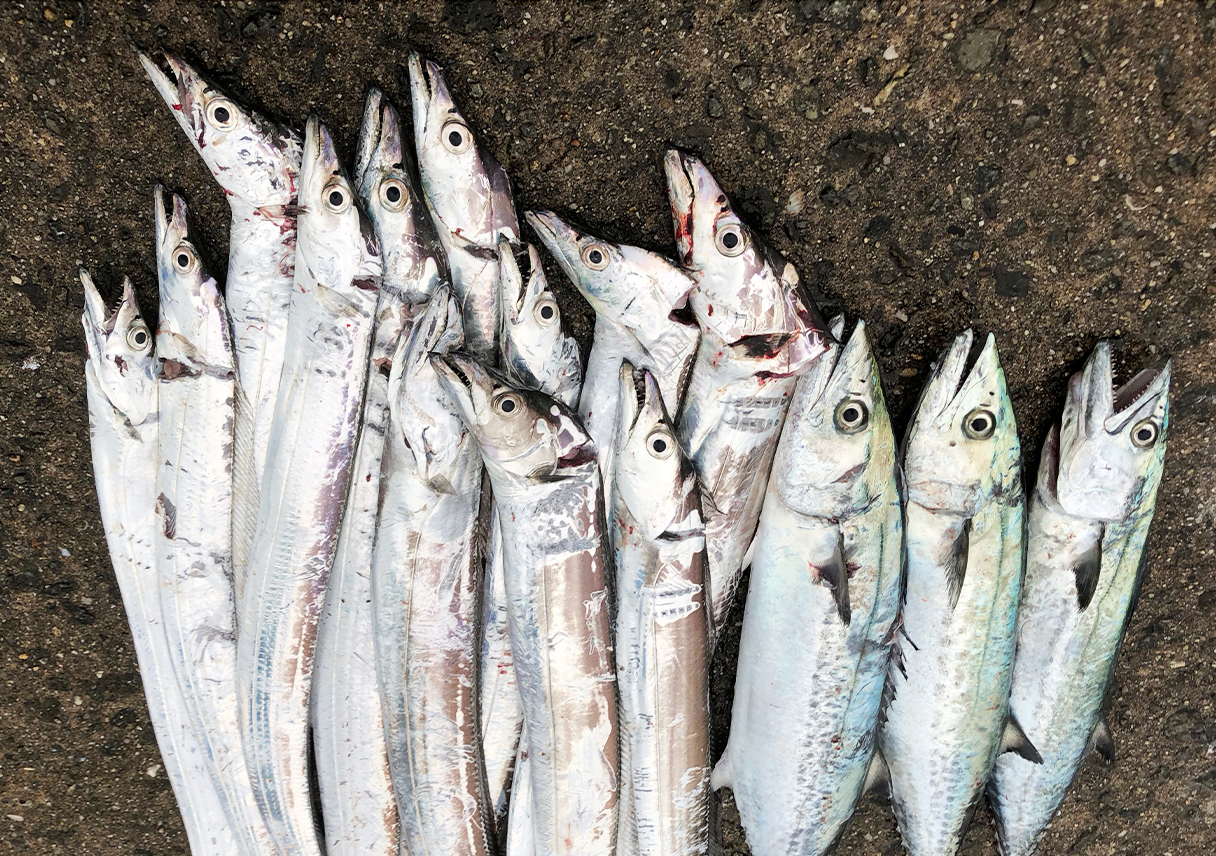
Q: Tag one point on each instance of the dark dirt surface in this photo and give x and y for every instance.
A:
(1039, 169)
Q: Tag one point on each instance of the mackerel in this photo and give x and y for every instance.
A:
(120, 374)
(756, 335)
(333, 305)
(257, 163)
(1089, 518)
(824, 596)
(948, 718)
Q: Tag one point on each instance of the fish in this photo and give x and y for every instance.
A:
(193, 509)
(256, 162)
(121, 373)
(757, 335)
(662, 631)
(821, 610)
(542, 466)
(469, 197)
(352, 758)
(333, 307)
(425, 577)
(1088, 522)
(947, 718)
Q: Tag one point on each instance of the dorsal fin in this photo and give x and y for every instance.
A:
(836, 577)
(1086, 571)
(956, 563)
(1101, 741)
(1014, 739)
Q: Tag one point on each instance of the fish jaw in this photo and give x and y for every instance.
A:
(120, 349)
(1110, 440)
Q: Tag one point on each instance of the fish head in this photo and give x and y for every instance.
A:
(746, 293)
(962, 448)
(531, 319)
(651, 475)
(525, 436)
(1111, 441)
(837, 451)
(337, 241)
(193, 328)
(384, 177)
(255, 160)
(120, 351)
(466, 188)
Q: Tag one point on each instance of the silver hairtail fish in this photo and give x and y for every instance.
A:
(949, 715)
(1089, 518)
(824, 596)
(257, 163)
(330, 326)
(756, 335)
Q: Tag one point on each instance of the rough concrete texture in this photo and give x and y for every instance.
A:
(1036, 168)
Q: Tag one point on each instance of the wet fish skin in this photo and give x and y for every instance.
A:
(257, 163)
(333, 304)
(757, 333)
(469, 197)
(120, 374)
(546, 483)
(950, 677)
(825, 585)
(1088, 521)
(424, 591)
(662, 632)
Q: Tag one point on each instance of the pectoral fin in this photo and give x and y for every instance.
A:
(836, 577)
(723, 774)
(1015, 740)
(1101, 741)
(1086, 571)
(956, 563)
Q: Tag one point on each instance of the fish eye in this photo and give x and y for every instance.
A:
(138, 337)
(336, 197)
(979, 424)
(1145, 433)
(852, 416)
(660, 444)
(393, 194)
(456, 138)
(595, 256)
(184, 258)
(546, 312)
(730, 239)
(221, 114)
(508, 404)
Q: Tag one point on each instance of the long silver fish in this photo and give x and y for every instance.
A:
(469, 198)
(756, 335)
(353, 772)
(1089, 518)
(950, 675)
(120, 376)
(257, 163)
(546, 483)
(824, 596)
(333, 305)
(424, 582)
(193, 508)
(662, 632)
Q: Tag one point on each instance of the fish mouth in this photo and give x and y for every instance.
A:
(164, 75)
(1097, 407)
(954, 371)
(371, 134)
(681, 194)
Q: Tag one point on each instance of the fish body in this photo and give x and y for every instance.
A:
(257, 163)
(757, 334)
(424, 591)
(821, 607)
(121, 374)
(469, 197)
(521, 834)
(950, 677)
(1088, 521)
(546, 484)
(333, 306)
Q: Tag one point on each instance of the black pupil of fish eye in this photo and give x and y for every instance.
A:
(546, 312)
(851, 415)
(140, 337)
(596, 257)
(455, 138)
(1144, 434)
(221, 115)
(508, 405)
(979, 424)
(335, 198)
(730, 240)
(393, 194)
(183, 260)
(659, 445)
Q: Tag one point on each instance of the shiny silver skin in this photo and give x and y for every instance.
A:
(1089, 519)
(257, 163)
(424, 591)
(469, 197)
(950, 676)
(821, 610)
(757, 333)
(193, 510)
(521, 834)
(546, 484)
(662, 631)
(120, 375)
(333, 306)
